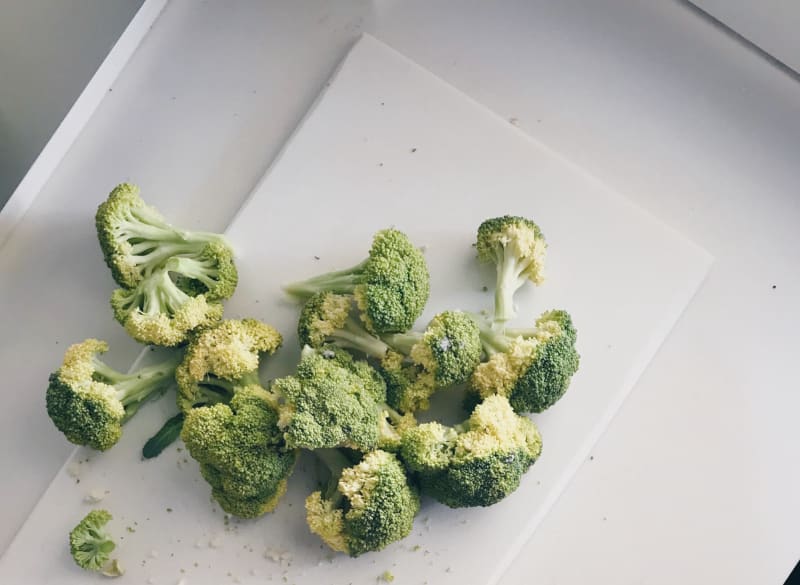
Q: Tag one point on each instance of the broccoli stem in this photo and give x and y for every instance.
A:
(335, 461)
(165, 436)
(402, 342)
(355, 336)
(508, 282)
(339, 281)
(133, 389)
(493, 341)
(149, 256)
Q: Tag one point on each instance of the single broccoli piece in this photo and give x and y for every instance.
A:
(532, 368)
(159, 312)
(166, 435)
(89, 401)
(517, 248)
(241, 452)
(335, 401)
(415, 364)
(222, 358)
(391, 286)
(91, 546)
(366, 506)
(136, 242)
(477, 463)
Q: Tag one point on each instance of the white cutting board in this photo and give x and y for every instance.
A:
(387, 144)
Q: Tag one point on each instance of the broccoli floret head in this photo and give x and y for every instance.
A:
(390, 287)
(136, 241)
(533, 371)
(221, 358)
(478, 463)
(370, 506)
(331, 401)
(241, 451)
(88, 401)
(91, 546)
(517, 248)
(159, 312)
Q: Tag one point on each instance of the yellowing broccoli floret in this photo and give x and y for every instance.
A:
(517, 247)
(391, 286)
(89, 401)
(366, 507)
(532, 368)
(477, 463)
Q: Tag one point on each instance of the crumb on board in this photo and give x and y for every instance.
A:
(95, 495)
(386, 577)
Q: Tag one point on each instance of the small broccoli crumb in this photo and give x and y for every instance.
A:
(130, 529)
(386, 577)
(95, 495)
(169, 509)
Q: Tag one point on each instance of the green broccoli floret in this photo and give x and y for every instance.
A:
(91, 546)
(366, 506)
(159, 312)
(89, 401)
(415, 364)
(222, 358)
(477, 463)
(241, 452)
(532, 368)
(136, 242)
(517, 248)
(333, 400)
(391, 286)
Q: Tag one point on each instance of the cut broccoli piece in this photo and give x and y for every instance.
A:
(415, 364)
(91, 546)
(136, 242)
(391, 286)
(335, 401)
(89, 401)
(222, 358)
(477, 463)
(166, 435)
(517, 248)
(241, 452)
(366, 506)
(532, 368)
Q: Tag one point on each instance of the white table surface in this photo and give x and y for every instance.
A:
(696, 480)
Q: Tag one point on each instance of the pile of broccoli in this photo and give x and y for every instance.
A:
(363, 377)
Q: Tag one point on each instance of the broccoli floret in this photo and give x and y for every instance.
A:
(335, 401)
(222, 358)
(241, 452)
(391, 286)
(532, 368)
(477, 463)
(517, 248)
(366, 507)
(414, 364)
(91, 546)
(89, 401)
(159, 312)
(136, 242)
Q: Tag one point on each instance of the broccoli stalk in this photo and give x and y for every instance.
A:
(89, 401)
(366, 506)
(516, 246)
(531, 367)
(91, 546)
(391, 286)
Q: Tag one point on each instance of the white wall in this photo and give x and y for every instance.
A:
(49, 49)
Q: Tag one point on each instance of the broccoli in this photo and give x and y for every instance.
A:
(91, 546)
(333, 400)
(532, 368)
(415, 364)
(241, 452)
(222, 358)
(159, 312)
(391, 286)
(366, 506)
(136, 241)
(477, 463)
(517, 248)
(89, 401)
